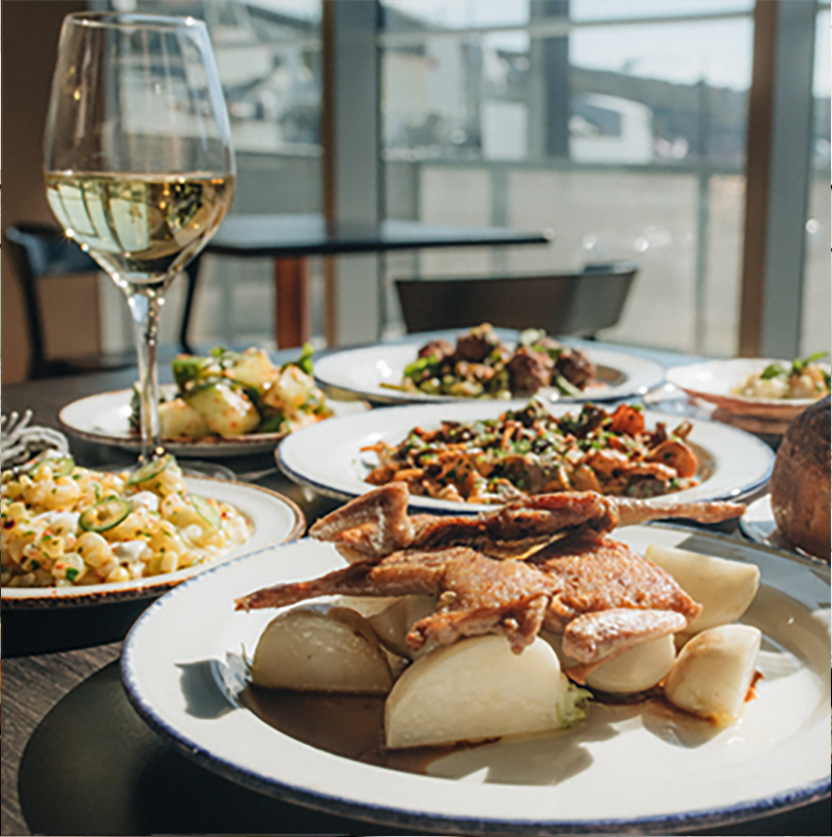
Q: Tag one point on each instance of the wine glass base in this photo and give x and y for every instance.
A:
(203, 468)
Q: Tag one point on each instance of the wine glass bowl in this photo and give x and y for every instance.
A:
(138, 161)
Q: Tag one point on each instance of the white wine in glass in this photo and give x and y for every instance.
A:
(139, 166)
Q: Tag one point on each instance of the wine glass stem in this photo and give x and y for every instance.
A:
(145, 305)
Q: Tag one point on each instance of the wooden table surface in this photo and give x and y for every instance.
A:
(172, 794)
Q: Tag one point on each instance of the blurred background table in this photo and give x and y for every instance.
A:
(291, 239)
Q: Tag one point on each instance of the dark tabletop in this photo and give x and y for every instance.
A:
(76, 759)
(307, 235)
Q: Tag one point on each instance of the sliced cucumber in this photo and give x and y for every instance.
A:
(105, 515)
(150, 470)
(206, 511)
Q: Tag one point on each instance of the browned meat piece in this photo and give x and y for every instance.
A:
(575, 366)
(376, 523)
(601, 635)
(440, 349)
(632, 511)
(477, 345)
(476, 594)
(529, 371)
(598, 574)
(399, 574)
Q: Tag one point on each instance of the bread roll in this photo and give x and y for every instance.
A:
(800, 496)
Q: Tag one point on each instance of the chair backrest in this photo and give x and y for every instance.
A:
(41, 250)
(560, 303)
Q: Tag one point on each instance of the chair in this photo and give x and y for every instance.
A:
(39, 251)
(578, 304)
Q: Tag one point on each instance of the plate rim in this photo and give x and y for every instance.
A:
(654, 372)
(784, 405)
(433, 505)
(224, 447)
(748, 809)
(40, 598)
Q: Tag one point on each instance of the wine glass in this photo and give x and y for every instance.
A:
(139, 166)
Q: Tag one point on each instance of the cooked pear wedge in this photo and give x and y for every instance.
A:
(322, 649)
(714, 671)
(473, 690)
(723, 587)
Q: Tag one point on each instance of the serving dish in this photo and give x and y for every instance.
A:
(104, 418)
(187, 687)
(329, 459)
(275, 519)
(371, 372)
(713, 381)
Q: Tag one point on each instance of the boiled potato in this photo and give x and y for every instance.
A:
(476, 688)
(636, 669)
(322, 649)
(714, 671)
(226, 410)
(393, 623)
(723, 587)
(178, 420)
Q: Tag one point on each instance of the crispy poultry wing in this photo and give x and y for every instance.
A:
(603, 597)
(377, 523)
(479, 595)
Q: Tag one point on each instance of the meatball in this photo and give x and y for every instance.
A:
(575, 366)
(477, 345)
(529, 371)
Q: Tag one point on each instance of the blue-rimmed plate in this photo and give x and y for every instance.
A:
(624, 770)
(328, 459)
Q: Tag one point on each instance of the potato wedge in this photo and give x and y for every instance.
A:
(723, 587)
(637, 669)
(475, 689)
(714, 671)
(393, 623)
(322, 649)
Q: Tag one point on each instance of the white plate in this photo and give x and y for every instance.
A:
(328, 459)
(105, 418)
(275, 519)
(714, 380)
(758, 524)
(363, 371)
(623, 771)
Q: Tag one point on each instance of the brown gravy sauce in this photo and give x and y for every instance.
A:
(344, 725)
(353, 725)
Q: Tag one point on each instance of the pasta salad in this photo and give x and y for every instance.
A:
(63, 525)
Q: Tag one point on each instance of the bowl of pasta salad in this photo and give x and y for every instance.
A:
(71, 535)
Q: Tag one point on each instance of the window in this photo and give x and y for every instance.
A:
(816, 326)
(619, 125)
